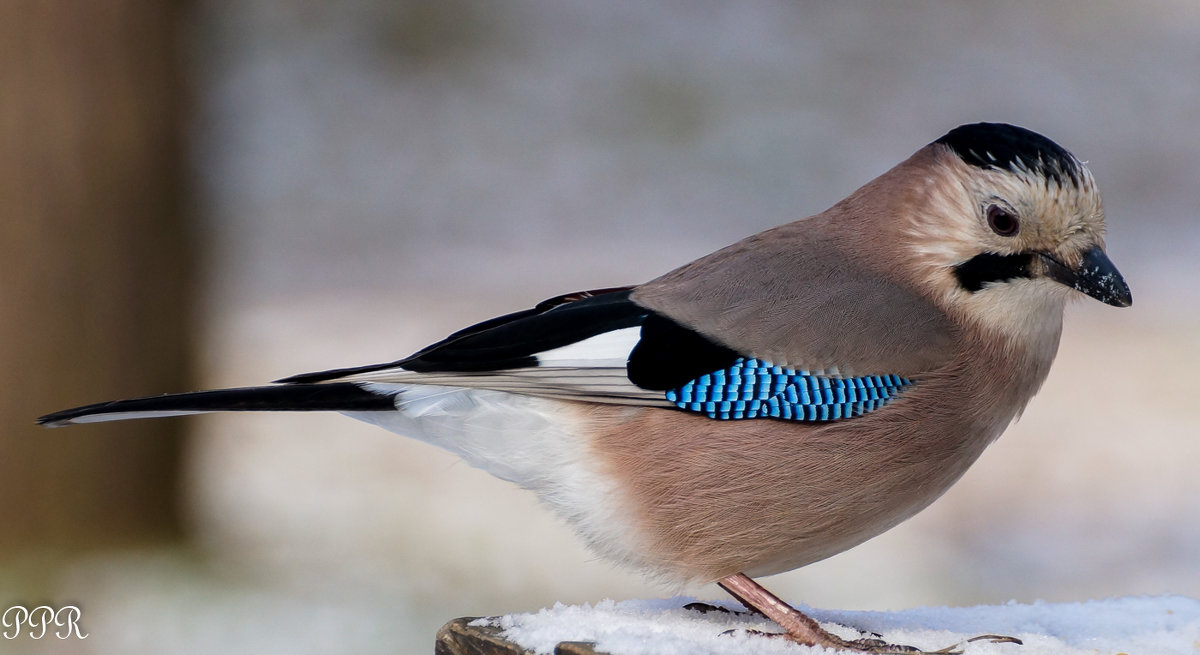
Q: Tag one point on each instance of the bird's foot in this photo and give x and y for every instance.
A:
(876, 645)
(706, 608)
(955, 649)
(802, 629)
(834, 642)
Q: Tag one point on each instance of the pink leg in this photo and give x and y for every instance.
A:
(800, 628)
(798, 625)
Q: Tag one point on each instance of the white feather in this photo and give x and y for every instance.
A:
(604, 349)
(592, 369)
(533, 442)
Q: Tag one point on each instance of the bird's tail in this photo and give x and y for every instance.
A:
(337, 397)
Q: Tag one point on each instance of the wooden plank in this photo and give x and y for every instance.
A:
(458, 637)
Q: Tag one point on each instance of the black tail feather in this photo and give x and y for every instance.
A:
(342, 397)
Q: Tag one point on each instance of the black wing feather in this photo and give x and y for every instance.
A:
(667, 356)
(670, 355)
(512, 341)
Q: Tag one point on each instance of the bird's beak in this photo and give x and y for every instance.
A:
(1095, 275)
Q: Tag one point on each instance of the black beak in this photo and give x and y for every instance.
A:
(1096, 276)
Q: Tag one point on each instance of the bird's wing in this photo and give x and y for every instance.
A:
(574, 346)
(809, 343)
(808, 295)
(604, 346)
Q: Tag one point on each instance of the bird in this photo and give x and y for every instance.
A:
(770, 404)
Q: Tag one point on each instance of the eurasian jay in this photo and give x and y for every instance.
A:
(770, 404)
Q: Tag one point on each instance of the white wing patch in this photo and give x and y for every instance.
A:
(605, 349)
(593, 369)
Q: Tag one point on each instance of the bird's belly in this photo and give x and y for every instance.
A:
(713, 498)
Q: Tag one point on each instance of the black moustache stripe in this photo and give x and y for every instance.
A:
(990, 267)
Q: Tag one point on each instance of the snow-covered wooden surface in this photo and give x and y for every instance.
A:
(1163, 625)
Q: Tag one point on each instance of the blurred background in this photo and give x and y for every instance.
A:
(224, 192)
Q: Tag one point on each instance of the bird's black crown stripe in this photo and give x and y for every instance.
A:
(990, 267)
(999, 145)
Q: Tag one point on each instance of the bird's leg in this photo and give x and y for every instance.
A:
(705, 608)
(798, 626)
(801, 628)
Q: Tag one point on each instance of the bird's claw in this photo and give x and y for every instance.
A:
(877, 646)
(705, 608)
(880, 647)
(992, 639)
(874, 646)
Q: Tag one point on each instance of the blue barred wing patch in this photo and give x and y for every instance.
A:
(751, 388)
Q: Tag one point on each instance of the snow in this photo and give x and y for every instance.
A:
(1161, 625)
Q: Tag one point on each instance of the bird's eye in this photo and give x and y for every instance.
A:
(1002, 222)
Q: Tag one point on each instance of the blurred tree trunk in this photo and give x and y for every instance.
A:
(95, 266)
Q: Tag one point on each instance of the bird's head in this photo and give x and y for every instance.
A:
(1005, 224)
